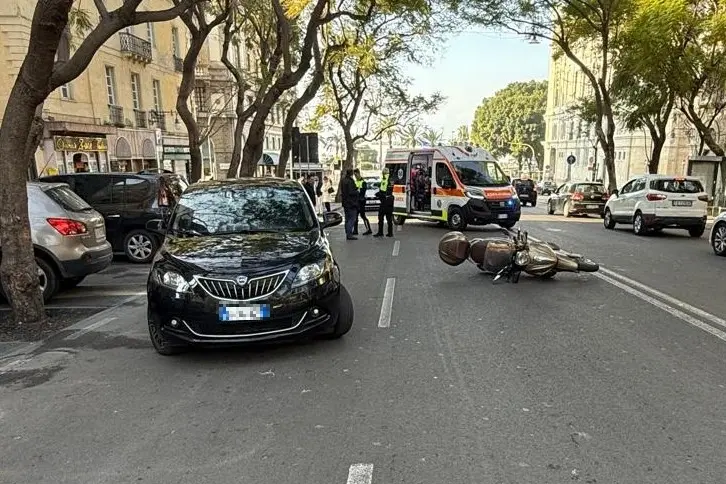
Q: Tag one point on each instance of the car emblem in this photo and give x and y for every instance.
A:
(241, 280)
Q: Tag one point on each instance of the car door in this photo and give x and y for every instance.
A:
(138, 194)
(441, 188)
(617, 205)
(98, 191)
(559, 196)
(635, 194)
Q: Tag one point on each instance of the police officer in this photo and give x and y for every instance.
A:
(385, 195)
(362, 187)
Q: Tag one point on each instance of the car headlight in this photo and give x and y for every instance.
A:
(522, 258)
(172, 280)
(473, 194)
(311, 272)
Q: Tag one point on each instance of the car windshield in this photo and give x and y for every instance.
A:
(373, 184)
(238, 210)
(480, 173)
(525, 183)
(590, 189)
(66, 198)
(672, 185)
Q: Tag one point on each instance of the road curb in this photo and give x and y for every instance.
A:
(23, 348)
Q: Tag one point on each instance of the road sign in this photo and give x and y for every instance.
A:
(571, 160)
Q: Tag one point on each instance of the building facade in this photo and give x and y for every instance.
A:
(118, 115)
(567, 134)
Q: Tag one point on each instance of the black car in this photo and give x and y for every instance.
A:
(546, 187)
(244, 261)
(526, 191)
(127, 202)
(578, 198)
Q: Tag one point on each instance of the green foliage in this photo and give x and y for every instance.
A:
(432, 136)
(410, 134)
(513, 117)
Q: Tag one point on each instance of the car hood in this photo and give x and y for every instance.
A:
(229, 253)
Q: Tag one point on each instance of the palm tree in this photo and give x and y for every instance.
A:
(410, 135)
(432, 136)
(462, 134)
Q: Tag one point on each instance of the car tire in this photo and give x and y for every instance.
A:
(71, 282)
(346, 315)
(507, 225)
(550, 209)
(533, 203)
(697, 232)
(639, 227)
(607, 219)
(162, 344)
(566, 209)
(140, 246)
(718, 241)
(399, 219)
(49, 279)
(456, 220)
(548, 275)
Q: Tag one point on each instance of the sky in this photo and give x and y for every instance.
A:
(474, 65)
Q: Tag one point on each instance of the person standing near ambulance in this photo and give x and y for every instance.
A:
(362, 187)
(385, 210)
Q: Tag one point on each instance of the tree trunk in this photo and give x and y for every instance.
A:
(654, 163)
(239, 130)
(182, 103)
(254, 146)
(18, 270)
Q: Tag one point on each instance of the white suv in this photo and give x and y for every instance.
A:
(654, 202)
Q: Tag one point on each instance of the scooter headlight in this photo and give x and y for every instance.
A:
(522, 258)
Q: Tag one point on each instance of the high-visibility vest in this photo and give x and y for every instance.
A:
(358, 184)
(384, 183)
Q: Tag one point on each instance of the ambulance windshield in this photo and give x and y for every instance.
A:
(479, 173)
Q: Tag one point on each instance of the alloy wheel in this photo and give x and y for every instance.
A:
(456, 220)
(42, 280)
(140, 246)
(719, 239)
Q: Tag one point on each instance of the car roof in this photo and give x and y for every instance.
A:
(245, 183)
(149, 176)
(46, 185)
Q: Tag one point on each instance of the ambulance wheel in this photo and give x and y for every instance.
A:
(399, 219)
(456, 220)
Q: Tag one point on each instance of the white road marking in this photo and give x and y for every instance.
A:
(360, 474)
(665, 307)
(554, 230)
(88, 328)
(399, 228)
(678, 303)
(384, 321)
(396, 247)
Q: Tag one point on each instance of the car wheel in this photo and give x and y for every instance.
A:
(140, 246)
(399, 219)
(697, 231)
(71, 282)
(456, 219)
(533, 202)
(346, 314)
(47, 278)
(550, 208)
(607, 220)
(639, 224)
(162, 344)
(718, 241)
(566, 209)
(548, 275)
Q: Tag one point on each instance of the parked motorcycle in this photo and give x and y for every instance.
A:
(509, 257)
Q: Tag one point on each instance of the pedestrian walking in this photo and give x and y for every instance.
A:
(310, 189)
(328, 192)
(362, 187)
(318, 194)
(385, 210)
(350, 204)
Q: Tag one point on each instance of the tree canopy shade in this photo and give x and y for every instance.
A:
(40, 75)
(511, 119)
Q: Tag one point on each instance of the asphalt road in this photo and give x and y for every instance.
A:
(587, 378)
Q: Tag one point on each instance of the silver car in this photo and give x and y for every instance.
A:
(68, 235)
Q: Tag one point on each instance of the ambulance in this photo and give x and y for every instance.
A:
(453, 185)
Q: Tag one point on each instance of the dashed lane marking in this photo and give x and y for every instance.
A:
(384, 321)
(360, 474)
(396, 248)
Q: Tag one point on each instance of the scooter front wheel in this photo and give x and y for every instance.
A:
(586, 265)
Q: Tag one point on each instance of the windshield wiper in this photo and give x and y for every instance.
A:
(187, 233)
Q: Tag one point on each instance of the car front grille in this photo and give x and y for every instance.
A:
(255, 288)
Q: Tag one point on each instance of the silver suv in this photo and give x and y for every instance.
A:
(68, 235)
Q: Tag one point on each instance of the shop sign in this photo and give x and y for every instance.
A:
(77, 143)
(176, 152)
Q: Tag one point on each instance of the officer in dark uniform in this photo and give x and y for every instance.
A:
(385, 195)
(362, 187)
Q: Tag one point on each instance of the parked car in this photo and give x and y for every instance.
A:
(69, 237)
(578, 198)
(127, 202)
(245, 261)
(374, 185)
(526, 191)
(546, 187)
(655, 202)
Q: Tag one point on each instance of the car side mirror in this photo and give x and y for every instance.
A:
(448, 183)
(156, 225)
(615, 193)
(331, 219)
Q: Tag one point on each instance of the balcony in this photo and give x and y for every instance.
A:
(136, 48)
(178, 64)
(141, 119)
(158, 120)
(116, 116)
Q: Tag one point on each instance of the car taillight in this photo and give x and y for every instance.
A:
(578, 196)
(66, 226)
(654, 197)
(704, 198)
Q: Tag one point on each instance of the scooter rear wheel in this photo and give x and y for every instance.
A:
(586, 265)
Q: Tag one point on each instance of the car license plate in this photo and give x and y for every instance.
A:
(100, 234)
(592, 206)
(682, 203)
(255, 312)
(502, 216)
